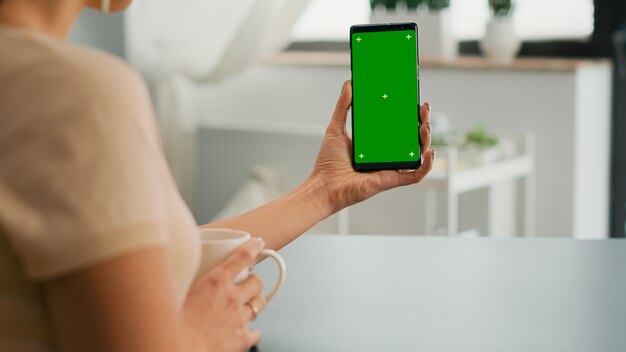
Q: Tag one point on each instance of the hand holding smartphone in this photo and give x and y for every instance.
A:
(385, 86)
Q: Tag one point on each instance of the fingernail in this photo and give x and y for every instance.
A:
(427, 106)
(261, 241)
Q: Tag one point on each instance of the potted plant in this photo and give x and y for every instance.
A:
(501, 8)
(501, 43)
(433, 17)
(480, 147)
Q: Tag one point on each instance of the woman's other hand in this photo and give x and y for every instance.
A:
(217, 310)
(334, 167)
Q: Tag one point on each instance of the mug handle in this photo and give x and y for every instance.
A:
(282, 271)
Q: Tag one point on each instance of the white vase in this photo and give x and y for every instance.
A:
(436, 35)
(501, 43)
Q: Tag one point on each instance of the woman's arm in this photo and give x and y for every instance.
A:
(127, 304)
(281, 221)
(332, 186)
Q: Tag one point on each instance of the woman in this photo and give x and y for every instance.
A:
(97, 250)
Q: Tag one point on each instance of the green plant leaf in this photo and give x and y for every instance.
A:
(438, 4)
(413, 4)
(391, 4)
(480, 137)
(501, 8)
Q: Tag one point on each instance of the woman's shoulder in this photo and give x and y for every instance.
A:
(46, 66)
(57, 90)
(93, 74)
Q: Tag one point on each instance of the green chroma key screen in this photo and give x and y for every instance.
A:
(385, 121)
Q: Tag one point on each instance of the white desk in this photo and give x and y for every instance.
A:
(358, 293)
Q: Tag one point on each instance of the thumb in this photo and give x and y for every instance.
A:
(338, 122)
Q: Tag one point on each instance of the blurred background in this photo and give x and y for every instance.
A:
(529, 107)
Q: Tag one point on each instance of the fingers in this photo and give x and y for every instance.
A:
(255, 306)
(425, 113)
(338, 122)
(425, 128)
(428, 156)
(253, 337)
(251, 287)
(244, 257)
(427, 164)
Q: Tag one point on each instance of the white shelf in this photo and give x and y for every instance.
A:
(483, 176)
(454, 181)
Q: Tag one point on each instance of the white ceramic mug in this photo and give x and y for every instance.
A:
(219, 244)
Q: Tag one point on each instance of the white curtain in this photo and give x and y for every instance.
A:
(178, 45)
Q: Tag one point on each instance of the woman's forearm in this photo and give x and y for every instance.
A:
(281, 221)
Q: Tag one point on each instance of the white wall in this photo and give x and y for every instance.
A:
(103, 31)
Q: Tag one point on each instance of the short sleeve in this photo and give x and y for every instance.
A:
(80, 179)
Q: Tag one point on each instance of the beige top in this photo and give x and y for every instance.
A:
(82, 177)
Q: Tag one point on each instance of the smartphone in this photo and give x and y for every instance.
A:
(385, 96)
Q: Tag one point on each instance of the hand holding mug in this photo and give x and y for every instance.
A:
(226, 296)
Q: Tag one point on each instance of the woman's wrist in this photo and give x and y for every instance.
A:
(317, 191)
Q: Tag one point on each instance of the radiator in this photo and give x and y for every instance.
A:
(228, 150)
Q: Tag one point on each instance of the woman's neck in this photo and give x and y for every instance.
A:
(54, 18)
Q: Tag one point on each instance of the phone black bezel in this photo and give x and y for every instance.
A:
(382, 27)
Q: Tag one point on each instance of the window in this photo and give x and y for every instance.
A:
(329, 20)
